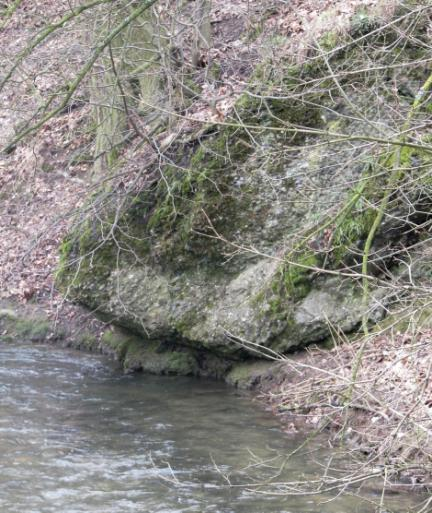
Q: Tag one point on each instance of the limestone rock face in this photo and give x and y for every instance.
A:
(246, 237)
(214, 274)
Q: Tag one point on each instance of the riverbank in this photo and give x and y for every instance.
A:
(75, 327)
(372, 396)
(383, 419)
(382, 416)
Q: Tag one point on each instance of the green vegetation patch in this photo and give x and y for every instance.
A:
(86, 261)
(33, 328)
(151, 356)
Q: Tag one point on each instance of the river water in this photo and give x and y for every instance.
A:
(77, 435)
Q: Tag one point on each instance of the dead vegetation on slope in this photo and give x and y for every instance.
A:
(384, 418)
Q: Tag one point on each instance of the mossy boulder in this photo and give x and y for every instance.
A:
(248, 375)
(246, 239)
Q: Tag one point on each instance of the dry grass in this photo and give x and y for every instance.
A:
(386, 415)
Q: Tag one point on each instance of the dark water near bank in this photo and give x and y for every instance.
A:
(76, 435)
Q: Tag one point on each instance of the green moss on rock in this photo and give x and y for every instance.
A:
(185, 262)
(29, 328)
(86, 261)
(116, 341)
(35, 330)
(87, 341)
(151, 356)
(248, 375)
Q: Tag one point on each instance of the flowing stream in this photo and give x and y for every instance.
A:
(77, 435)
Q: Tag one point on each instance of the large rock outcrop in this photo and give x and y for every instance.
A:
(245, 237)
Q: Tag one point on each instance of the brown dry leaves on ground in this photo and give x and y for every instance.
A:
(40, 190)
(42, 181)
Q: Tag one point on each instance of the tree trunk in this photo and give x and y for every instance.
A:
(203, 36)
(126, 82)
